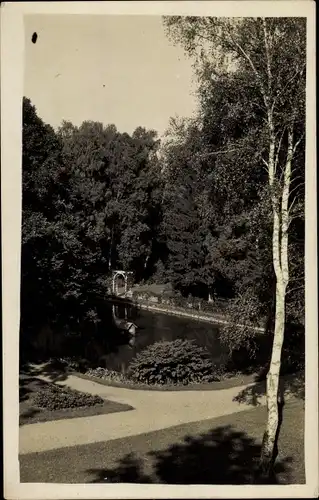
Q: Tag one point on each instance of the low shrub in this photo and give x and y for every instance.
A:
(68, 362)
(105, 374)
(54, 397)
(176, 362)
(143, 294)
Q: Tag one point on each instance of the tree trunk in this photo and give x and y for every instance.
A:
(211, 294)
(110, 251)
(281, 268)
(268, 451)
(270, 434)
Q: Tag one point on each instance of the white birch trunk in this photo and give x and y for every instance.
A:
(281, 267)
(270, 435)
(146, 261)
(110, 251)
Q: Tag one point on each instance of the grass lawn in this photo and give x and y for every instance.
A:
(30, 413)
(223, 450)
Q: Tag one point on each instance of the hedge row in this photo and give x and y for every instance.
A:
(180, 301)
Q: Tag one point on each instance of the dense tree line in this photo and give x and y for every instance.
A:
(90, 204)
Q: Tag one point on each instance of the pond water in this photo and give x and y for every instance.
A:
(154, 327)
(110, 348)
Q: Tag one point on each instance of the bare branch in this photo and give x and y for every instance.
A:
(219, 152)
(255, 72)
(292, 205)
(298, 72)
(294, 217)
(294, 280)
(296, 187)
(269, 74)
(266, 167)
(288, 292)
(296, 178)
(241, 51)
(298, 142)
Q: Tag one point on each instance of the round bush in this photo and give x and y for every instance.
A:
(54, 397)
(176, 362)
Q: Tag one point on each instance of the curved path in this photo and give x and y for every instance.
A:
(153, 410)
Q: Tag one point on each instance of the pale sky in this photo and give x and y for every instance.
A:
(112, 69)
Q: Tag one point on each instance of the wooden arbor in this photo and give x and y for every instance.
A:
(115, 275)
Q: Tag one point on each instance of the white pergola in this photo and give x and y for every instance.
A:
(115, 275)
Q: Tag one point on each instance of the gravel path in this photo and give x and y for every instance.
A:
(153, 410)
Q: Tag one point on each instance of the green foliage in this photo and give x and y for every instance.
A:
(115, 179)
(177, 362)
(229, 153)
(45, 277)
(54, 397)
(90, 198)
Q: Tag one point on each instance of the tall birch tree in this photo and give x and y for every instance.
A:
(271, 54)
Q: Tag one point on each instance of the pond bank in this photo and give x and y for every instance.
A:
(152, 306)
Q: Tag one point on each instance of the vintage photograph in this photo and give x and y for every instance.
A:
(162, 306)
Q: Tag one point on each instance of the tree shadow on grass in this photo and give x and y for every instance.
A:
(54, 370)
(26, 415)
(289, 385)
(129, 470)
(29, 385)
(221, 456)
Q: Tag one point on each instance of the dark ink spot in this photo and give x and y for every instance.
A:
(34, 37)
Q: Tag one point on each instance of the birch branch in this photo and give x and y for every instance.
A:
(279, 147)
(204, 155)
(291, 290)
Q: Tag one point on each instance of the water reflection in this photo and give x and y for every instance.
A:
(155, 327)
(104, 345)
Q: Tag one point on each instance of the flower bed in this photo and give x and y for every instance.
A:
(54, 397)
(107, 375)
